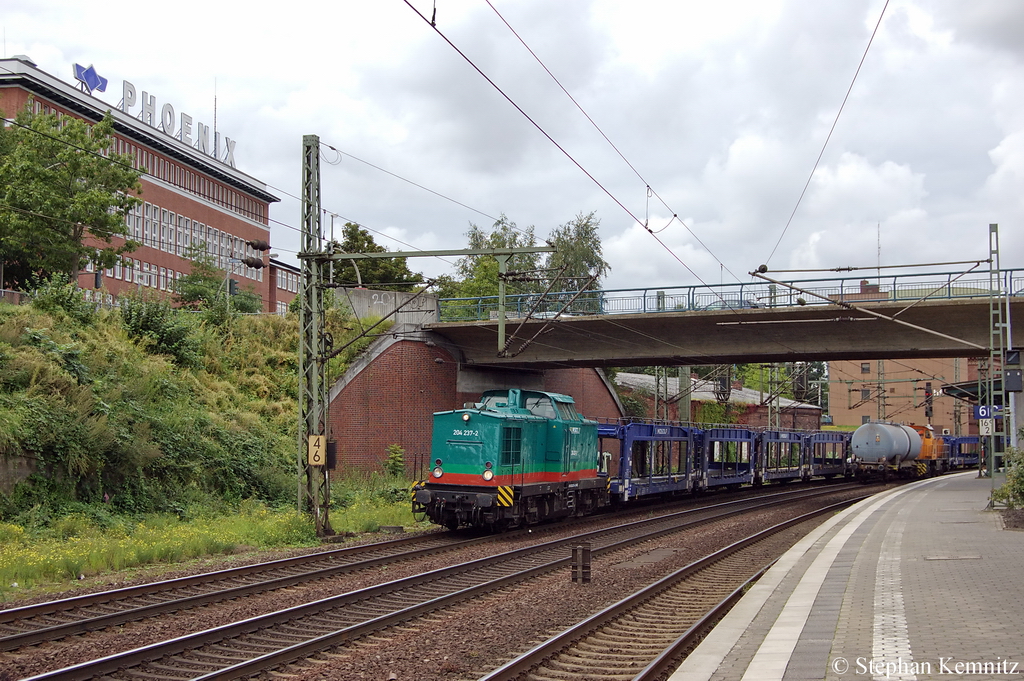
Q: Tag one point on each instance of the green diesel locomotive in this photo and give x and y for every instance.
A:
(516, 457)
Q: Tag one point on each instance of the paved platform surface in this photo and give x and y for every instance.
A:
(918, 583)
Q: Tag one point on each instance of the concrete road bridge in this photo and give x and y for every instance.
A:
(856, 318)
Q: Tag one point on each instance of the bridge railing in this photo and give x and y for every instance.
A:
(905, 287)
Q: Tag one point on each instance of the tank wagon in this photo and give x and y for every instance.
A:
(880, 448)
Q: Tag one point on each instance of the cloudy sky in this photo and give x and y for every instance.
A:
(721, 108)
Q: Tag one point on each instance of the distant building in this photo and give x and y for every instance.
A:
(901, 391)
(192, 193)
(744, 406)
(284, 286)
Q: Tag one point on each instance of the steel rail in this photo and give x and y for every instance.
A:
(516, 668)
(80, 604)
(308, 648)
(84, 621)
(538, 559)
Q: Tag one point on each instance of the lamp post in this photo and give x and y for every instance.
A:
(228, 271)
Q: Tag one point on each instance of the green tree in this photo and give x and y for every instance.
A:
(204, 287)
(756, 377)
(479, 273)
(578, 247)
(61, 186)
(392, 271)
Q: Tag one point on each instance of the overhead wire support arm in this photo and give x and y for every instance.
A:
(427, 254)
(503, 350)
(502, 255)
(976, 263)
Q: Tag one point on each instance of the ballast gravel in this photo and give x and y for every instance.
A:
(462, 642)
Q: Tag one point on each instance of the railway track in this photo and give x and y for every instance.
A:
(644, 636)
(244, 648)
(53, 620)
(33, 624)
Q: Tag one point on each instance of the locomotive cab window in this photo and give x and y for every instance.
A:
(541, 406)
(567, 411)
(491, 402)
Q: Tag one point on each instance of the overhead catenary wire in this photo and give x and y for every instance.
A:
(828, 137)
(540, 129)
(407, 180)
(650, 190)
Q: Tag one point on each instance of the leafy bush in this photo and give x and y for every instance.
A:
(11, 534)
(59, 293)
(633, 405)
(68, 354)
(394, 464)
(1012, 491)
(156, 321)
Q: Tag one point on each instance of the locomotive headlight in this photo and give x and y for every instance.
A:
(465, 417)
(437, 472)
(488, 475)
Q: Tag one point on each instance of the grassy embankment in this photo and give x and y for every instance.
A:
(156, 435)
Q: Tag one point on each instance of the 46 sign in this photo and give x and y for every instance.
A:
(317, 450)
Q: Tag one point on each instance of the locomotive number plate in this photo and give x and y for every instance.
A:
(466, 433)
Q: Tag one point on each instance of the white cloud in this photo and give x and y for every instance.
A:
(721, 107)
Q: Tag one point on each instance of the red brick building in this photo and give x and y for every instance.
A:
(192, 193)
(284, 286)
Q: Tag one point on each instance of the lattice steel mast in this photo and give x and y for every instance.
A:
(314, 493)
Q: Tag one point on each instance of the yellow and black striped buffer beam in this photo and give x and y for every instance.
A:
(505, 496)
(418, 485)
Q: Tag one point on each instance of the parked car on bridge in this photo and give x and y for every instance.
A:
(732, 303)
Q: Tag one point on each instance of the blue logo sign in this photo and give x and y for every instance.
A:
(88, 77)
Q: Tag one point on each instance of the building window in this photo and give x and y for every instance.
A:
(865, 419)
(865, 394)
(865, 367)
